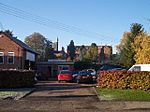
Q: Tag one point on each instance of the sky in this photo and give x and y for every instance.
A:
(105, 21)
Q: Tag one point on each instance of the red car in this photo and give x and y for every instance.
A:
(64, 75)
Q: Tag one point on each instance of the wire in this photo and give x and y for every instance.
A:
(2, 28)
(47, 22)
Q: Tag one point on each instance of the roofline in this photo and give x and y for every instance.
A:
(17, 43)
(30, 51)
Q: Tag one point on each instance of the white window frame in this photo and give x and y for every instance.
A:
(2, 57)
(30, 56)
(8, 58)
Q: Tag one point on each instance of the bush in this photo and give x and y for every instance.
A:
(16, 78)
(124, 80)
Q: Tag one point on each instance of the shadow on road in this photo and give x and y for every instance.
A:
(44, 86)
(53, 90)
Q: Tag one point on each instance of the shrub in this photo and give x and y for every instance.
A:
(16, 78)
(124, 80)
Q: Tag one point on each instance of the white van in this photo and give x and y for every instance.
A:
(140, 67)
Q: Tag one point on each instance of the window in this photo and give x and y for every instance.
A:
(137, 68)
(1, 57)
(65, 72)
(10, 58)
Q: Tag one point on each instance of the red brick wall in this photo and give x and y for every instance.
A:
(7, 45)
(105, 50)
(108, 51)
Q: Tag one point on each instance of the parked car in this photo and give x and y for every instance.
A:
(140, 67)
(84, 77)
(118, 69)
(64, 75)
(108, 67)
(74, 76)
(93, 73)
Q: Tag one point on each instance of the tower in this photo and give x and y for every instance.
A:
(57, 44)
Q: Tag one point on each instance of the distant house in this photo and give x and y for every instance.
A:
(104, 52)
(51, 68)
(14, 54)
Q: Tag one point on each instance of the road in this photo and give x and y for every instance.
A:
(51, 96)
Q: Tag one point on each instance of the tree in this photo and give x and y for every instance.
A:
(123, 41)
(141, 47)
(39, 44)
(121, 48)
(92, 53)
(82, 53)
(71, 50)
(102, 55)
(61, 54)
(126, 51)
(64, 55)
(9, 33)
(49, 51)
(136, 29)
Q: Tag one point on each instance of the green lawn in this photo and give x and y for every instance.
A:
(4, 94)
(18, 93)
(123, 95)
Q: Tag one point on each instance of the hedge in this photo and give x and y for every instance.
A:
(124, 80)
(16, 78)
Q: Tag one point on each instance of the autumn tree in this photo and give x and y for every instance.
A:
(126, 51)
(121, 47)
(141, 47)
(62, 54)
(71, 50)
(123, 41)
(92, 53)
(39, 44)
(82, 53)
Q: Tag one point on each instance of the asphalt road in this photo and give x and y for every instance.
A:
(68, 97)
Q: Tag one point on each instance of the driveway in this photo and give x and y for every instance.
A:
(51, 96)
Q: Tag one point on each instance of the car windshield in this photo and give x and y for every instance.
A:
(65, 72)
(90, 71)
(84, 73)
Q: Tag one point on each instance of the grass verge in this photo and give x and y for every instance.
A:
(14, 93)
(123, 95)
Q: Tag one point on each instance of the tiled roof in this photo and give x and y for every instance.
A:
(20, 43)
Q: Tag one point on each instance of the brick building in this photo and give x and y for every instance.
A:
(51, 68)
(14, 54)
(104, 52)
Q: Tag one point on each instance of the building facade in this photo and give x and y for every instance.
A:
(49, 70)
(104, 52)
(14, 54)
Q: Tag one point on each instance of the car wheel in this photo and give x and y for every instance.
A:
(59, 81)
